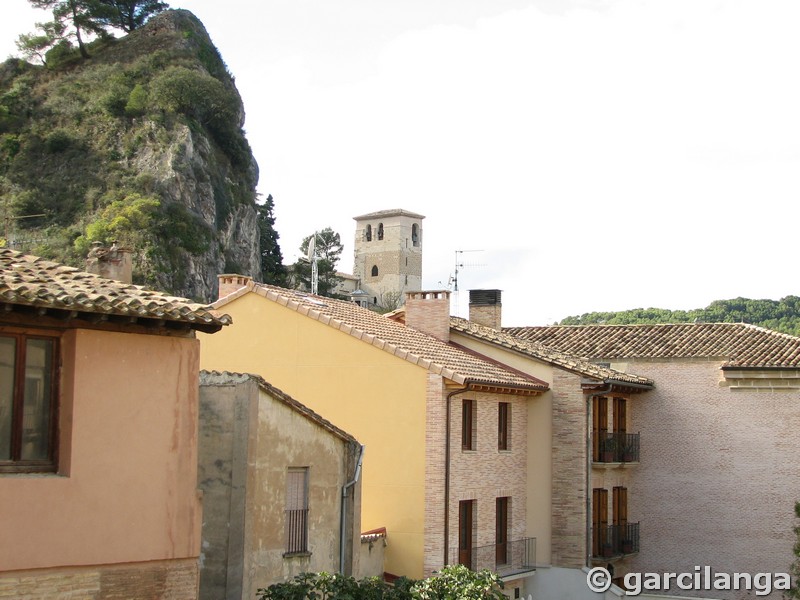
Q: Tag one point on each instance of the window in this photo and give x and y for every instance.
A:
(374, 270)
(28, 403)
(600, 429)
(368, 233)
(620, 415)
(504, 426)
(468, 424)
(502, 512)
(415, 234)
(380, 231)
(297, 511)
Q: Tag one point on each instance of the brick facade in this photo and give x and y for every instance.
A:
(718, 476)
(569, 455)
(157, 580)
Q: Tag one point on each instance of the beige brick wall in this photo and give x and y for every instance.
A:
(157, 580)
(569, 471)
(718, 476)
(482, 475)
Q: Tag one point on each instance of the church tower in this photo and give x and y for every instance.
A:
(388, 255)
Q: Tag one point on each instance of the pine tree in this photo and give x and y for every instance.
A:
(272, 269)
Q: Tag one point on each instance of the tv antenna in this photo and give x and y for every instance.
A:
(460, 264)
(312, 258)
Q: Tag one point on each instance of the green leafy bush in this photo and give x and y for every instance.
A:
(455, 582)
(58, 141)
(137, 101)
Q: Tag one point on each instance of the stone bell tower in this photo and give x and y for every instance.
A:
(388, 255)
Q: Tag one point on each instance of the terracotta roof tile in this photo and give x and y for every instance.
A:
(405, 342)
(27, 280)
(541, 352)
(739, 344)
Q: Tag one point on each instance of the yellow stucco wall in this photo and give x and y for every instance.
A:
(539, 440)
(371, 394)
(126, 490)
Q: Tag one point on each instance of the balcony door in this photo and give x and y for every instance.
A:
(501, 531)
(599, 521)
(466, 514)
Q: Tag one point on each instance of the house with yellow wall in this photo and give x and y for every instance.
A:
(446, 430)
(98, 436)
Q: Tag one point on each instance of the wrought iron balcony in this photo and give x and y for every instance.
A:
(616, 447)
(613, 541)
(507, 558)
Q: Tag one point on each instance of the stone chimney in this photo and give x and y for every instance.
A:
(429, 312)
(229, 283)
(111, 263)
(485, 308)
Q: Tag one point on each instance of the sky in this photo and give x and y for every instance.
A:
(586, 155)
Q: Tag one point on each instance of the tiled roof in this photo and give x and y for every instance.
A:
(210, 378)
(739, 344)
(392, 212)
(414, 346)
(30, 281)
(543, 353)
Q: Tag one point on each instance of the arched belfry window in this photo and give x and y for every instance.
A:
(415, 234)
(368, 233)
(380, 231)
(374, 270)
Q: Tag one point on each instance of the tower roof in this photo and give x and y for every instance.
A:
(392, 212)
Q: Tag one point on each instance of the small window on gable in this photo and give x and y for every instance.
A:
(415, 234)
(380, 231)
(296, 510)
(368, 233)
(374, 270)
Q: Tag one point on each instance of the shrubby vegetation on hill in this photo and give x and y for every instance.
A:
(141, 143)
(779, 315)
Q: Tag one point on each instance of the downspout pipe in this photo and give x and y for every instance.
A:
(589, 453)
(447, 473)
(343, 512)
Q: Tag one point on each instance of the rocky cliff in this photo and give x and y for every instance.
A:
(142, 144)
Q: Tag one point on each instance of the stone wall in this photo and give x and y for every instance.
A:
(156, 580)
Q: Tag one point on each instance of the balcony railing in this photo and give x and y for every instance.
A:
(610, 541)
(508, 558)
(616, 447)
(296, 531)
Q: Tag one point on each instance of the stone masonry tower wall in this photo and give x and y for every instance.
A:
(388, 255)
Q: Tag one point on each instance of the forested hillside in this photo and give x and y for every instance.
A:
(779, 315)
(140, 141)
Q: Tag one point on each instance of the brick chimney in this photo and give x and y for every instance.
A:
(229, 283)
(111, 263)
(485, 308)
(429, 312)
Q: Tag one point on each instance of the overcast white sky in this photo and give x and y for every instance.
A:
(603, 154)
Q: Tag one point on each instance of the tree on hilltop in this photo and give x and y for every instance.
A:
(328, 248)
(128, 15)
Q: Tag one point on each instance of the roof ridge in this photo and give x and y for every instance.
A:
(412, 352)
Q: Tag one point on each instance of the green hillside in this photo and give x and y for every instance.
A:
(141, 143)
(778, 315)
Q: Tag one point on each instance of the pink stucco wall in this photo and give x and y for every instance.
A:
(126, 490)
